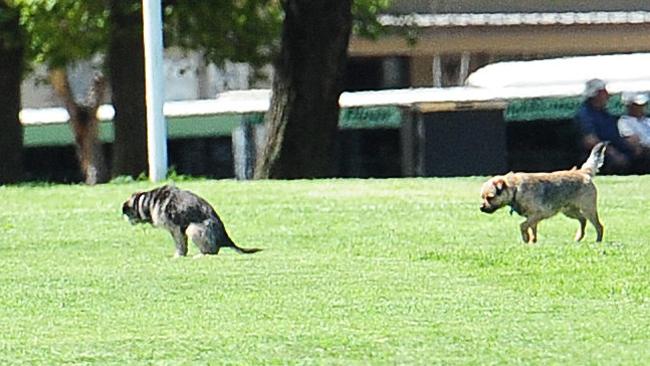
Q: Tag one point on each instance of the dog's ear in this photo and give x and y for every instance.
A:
(499, 184)
(125, 207)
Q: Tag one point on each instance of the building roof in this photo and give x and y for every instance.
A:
(510, 19)
(512, 6)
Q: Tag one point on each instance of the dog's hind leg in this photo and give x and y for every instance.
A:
(592, 216)
(580, 233)
(200, 235)
(574, 213)
(589, 210)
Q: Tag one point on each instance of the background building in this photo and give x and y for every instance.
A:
(429, 128)
(439, 43)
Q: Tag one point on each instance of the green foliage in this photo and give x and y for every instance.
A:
(225, 30)
(365, 17)
(63, 31)
(404, 271)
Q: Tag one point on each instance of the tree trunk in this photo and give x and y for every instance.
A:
(11, 70)
(126, 70)
(303, 117)
(85, 125)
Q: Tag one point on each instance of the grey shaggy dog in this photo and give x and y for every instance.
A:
(183, 214)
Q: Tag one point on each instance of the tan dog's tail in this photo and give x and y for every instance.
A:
(595, 160)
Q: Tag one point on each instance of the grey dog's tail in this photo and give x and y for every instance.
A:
(240, 250)
(596, 159)
(245, 250)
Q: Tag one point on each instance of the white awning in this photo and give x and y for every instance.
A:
(621, 72)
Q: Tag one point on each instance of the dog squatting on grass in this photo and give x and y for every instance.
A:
(538, 196)
(183, 214)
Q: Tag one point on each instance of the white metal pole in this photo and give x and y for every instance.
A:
(155, 89)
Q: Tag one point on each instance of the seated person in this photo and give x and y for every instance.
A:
(634, 127)
(596, 124)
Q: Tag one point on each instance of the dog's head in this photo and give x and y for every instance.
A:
(495, 194)
(131, 209)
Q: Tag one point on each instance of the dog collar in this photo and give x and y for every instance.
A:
(514, 207)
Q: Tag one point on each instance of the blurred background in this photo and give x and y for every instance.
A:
(427, 88)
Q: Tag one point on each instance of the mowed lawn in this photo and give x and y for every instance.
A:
(404, 271)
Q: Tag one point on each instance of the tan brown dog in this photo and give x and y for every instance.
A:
(538, 196)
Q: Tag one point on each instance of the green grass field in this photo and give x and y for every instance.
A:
(404, 271)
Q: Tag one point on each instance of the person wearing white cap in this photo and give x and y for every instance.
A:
(634, 126)
(596, 124)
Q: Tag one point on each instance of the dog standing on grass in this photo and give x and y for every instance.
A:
(538, 196)
(183, 214)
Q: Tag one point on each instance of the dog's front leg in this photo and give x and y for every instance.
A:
(529, 230)
(524, 231)
(532, 232)
(180, 239)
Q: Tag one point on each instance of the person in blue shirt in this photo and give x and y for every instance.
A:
(596, 124)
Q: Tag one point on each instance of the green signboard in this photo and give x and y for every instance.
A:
(535, 109)
(371, 117)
